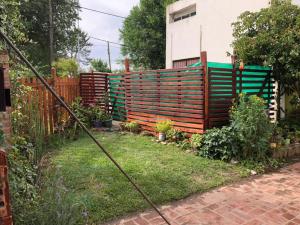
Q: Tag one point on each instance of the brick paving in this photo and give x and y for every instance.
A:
(266, 200)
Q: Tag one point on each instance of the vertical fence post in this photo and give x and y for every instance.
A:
(126, 85)
(206, 89)
(233, 61)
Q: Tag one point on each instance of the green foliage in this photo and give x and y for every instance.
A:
(185, 144)
(196, 141)
(163, 126)
(72, 129)
(100, 66)
(271, 37)
(27, 124)
(69, 40)
(66, 67)
(252, 126)
(132, 126)
(10, 21)
(219, 144)
(262, 166)
(144, 34)
(22, 184)
(95, 113)
(175, 135)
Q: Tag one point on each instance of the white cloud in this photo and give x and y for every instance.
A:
(104, 26)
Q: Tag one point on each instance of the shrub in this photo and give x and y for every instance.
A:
(72, 129)
(219, 144)
(252, 127)
(185, 144)
(175, 135)
(132, 126)
(196, 141)
(163, 126)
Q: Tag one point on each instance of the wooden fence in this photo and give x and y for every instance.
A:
(50, 110)
(195, 98)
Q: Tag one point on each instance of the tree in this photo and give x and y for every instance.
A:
(100, 66)
(272, 37)
(144, 34)
(69, 40)
(10, 21)
(66, 67)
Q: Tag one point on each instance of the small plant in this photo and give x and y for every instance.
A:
(95, 115)
(196, 141)
(132, 126)
(162, 127)
(219, 144)
(174, 135)
(106, 120)
(185, 144)
(73, 129)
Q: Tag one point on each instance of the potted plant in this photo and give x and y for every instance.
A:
(162, 127)
(106, 120)
(96, 115)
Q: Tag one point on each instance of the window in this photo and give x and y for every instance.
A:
(183, 14)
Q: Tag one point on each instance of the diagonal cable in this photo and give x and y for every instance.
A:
(52, 91)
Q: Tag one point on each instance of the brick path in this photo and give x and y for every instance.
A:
(267, 200)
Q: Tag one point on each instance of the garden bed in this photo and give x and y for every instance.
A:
(164, 172)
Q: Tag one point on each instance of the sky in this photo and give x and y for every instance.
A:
(104, 26)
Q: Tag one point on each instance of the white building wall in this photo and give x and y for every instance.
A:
(209, 30)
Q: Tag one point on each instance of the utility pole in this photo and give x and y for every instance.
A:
(51, 31)
(108, 51)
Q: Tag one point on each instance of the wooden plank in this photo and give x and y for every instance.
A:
(166, 113)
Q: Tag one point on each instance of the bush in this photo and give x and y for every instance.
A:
(175, 135)
(219, 144)
(163, 126)
(72, 128)
(196, 141)
(252, 127)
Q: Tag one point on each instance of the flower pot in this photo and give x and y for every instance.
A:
(97, 123)
(107, 123)
(161, 136)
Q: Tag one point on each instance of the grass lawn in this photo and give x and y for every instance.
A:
(164, 172)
